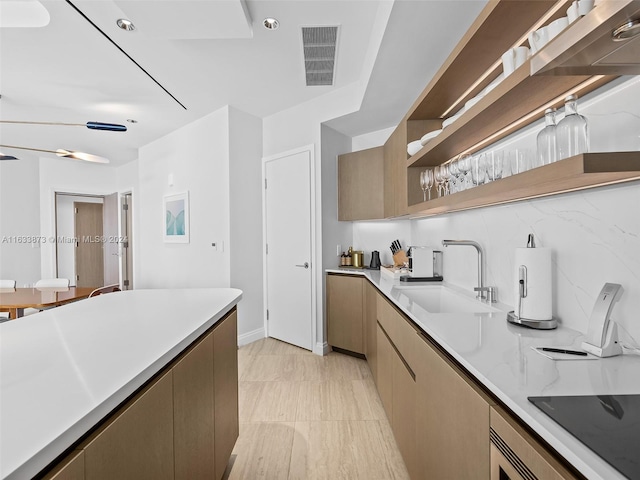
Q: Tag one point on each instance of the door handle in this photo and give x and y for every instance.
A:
(305, 265)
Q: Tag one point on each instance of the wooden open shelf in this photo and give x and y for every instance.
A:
(587, 47)
(498, 27)
(507, 108)
(576, 173)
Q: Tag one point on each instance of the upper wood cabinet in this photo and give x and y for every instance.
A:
(361, 185)
(71, 468)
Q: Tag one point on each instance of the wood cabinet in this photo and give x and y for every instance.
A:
(71, 468)
(516, 455)
(225, 387)
(137, 443)
(193, 412)
(452, 422)
(384, 377)
(396, 380)
(370, 327)
(183, 424)
(345, 312)
(361, 185)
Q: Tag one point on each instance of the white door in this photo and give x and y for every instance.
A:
(289, 248)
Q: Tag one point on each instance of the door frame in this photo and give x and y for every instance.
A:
(316, 259)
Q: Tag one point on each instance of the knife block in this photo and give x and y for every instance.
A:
(400, 258)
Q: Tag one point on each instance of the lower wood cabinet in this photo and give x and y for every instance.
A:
(71, 468)
(182, 425)
(516, 455)
(384, 377)
(452, 421)
(137, 443)
(370, 327)
(225, 388)
(345, 312)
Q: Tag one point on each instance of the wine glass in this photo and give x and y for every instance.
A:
(438, 174)
(446, 175)
(454, 170)
(423, 185)
(464, 165)
(429, 178)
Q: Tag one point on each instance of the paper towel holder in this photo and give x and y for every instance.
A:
(527, 322)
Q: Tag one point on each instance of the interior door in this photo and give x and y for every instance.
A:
(288, 250)
(111, 240)
(88, 233)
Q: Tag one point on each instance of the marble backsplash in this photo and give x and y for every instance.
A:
(594, 234)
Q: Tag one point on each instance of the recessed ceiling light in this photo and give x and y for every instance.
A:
(125, 24)
(271, 23)
(131, 120)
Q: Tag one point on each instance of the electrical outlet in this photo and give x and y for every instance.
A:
(338, 250)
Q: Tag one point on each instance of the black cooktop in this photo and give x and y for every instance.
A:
(607, 424)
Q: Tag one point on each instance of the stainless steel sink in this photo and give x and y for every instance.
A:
(440, 299)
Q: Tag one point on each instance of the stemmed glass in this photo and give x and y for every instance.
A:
(464, 165)
(429, 179)
(438, 174)
(454, 169)
(423, 185)
(494, 164)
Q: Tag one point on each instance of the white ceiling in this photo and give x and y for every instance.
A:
(207, 54)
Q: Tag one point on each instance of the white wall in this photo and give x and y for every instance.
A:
(246, 247)
(19, 217)
(371, 139)
(198, 157)
(65, 230)
(594, 234)
(67, 176)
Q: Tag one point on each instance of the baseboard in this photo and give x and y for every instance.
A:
(321, 349)
(251, 337)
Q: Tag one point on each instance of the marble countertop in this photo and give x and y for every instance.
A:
(64, 369)
(501, 357)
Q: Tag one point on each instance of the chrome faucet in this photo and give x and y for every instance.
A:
(481, 289)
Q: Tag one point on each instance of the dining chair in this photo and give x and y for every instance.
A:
(106, 289)
(52, 283)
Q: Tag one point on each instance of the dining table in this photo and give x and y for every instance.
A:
(15, 300)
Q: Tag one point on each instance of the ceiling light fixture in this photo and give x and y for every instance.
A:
(126, 25)
(111, 127)
(271, 23)
(131, 120)
(87, 157)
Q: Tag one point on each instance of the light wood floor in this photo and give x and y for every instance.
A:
(303, 416)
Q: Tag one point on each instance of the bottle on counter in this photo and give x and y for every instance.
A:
(546, 140)
(349, 256)
(343, 259)
(572, 136)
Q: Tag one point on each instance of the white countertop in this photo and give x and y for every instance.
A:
(64, 369)
(499, 355)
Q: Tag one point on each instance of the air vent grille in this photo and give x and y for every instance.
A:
(319, 47)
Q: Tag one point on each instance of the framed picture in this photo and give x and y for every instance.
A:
(176, 218)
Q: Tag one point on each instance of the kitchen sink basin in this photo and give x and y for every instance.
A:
(440, 299)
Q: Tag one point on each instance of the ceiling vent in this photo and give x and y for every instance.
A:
(319, 46)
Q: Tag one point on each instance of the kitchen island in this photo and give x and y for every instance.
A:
(65, 370)
(498, 357)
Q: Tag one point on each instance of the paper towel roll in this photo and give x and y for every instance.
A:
(537, 304)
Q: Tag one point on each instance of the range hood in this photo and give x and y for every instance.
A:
(588, 48)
